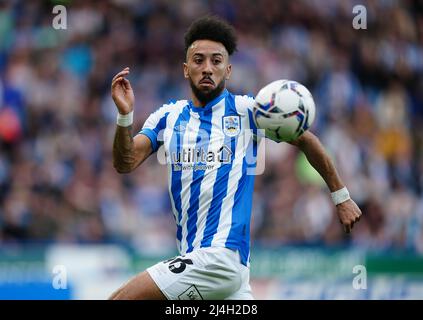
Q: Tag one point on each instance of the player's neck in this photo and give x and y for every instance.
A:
(197, 102)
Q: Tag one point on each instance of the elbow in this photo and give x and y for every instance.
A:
(305, 139)
(122, 169)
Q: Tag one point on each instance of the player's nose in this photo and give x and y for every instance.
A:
(208, 67)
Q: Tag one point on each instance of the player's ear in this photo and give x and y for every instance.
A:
(185, 70)
(228, 71)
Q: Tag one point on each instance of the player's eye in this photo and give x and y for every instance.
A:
(217, 61)
(198, 61)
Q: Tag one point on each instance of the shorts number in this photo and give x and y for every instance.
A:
(178, 265)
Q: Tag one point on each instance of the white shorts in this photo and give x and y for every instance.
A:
(205, 274)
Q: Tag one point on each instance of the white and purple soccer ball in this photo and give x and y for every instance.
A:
(285, 109)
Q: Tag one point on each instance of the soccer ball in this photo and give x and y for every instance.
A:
(285, 109)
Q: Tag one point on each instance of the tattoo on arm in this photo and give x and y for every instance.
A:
(124, 159)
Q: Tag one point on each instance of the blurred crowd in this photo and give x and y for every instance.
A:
(57, 119)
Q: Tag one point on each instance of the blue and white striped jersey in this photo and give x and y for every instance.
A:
(211, 157)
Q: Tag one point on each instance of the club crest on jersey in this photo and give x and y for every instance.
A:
(231, 126)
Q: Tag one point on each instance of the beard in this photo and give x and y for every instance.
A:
(207, 95)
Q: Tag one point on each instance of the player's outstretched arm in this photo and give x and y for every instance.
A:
(128, 152)
(348, 212)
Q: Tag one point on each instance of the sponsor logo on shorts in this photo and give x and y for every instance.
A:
(191, 293)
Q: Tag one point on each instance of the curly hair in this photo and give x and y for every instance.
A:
(211, 28)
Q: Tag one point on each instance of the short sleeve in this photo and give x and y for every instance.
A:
(152, 127)
(245, 105)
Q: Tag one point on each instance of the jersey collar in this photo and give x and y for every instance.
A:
(210, 104)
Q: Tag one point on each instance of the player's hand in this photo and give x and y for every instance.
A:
(122, 92)
(348, 213)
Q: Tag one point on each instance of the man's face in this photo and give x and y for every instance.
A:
(207, 68)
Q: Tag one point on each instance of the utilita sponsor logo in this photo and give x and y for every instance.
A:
(191, 155)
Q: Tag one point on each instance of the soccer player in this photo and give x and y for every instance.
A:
(210, 185)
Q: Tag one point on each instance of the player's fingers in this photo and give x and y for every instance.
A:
(127, 84)
(116, 81)
(117, 76)
(358, 217)
(347, 228)
(124, 72)
(120, 74)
